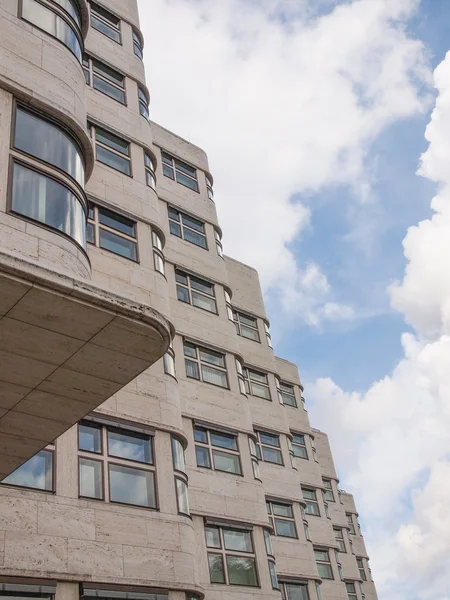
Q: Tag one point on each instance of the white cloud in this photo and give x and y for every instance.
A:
(285, 102)
(393, 441)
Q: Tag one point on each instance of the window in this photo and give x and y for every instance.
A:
(112, 150)
(287, 394)
(116, 465)
(105, 22)
(268, 336)
(143, 103)
(246, 326)
(205, 365)
(181, 484)
(150, 176)
(219, 246)
(228, 304)
(273, 574)
(299, 446)
(195, 291)
(294, 591)
(339, 535)
(351, 591)
(104, 79)
(169, 361)
(351, 525)
(254, 457)
(281, 517)
(179, 171)
(231, 557)
(209, 188)
(312, 505)
(305, 523)
(187, 228)
(158, 256)
(138, 45)
(111, 231)
(256, 383)
(319, 593)
(339, 566)
(240, 375)
(323, 563)
(217, 450)
(268, 447)
(61, 20)
(328, 493)
(36, 473)
(268, 542)
(362, 571)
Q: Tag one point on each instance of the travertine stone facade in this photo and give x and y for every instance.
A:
(83, 328)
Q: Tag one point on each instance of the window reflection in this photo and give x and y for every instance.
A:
(132, 447)
(132, 486)
(36, 473)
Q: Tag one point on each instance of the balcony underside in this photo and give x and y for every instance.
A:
(65, 348)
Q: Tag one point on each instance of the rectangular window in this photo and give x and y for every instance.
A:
(273, 575)
(281, 517)
(299, 446)
(104, 79)
(268, 447)
(187, 228)
(256, 383)
(111, 231)
(294, 591)
(36, 473)
(179, 171)
(205, 365)
(312, 505)
(351, 525)
(105, 22)
(351, 591)
(116, 465)
(328, 494)
(232, 558)
(217, 450)
(195, 291)
(287, 394)
(323, 563)
(339, 535)
(362, 571)
(111, 150)
(246, 326)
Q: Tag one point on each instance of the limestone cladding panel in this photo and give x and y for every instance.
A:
(308, 470)
(324, 454)
(333, 590)
(244, 283)
(349, 566)
(337, 513)
(321, 528)
(348, 502)
(127, 9)
(359, 547)
(41, 71)
(281, 481)
(269, 414)
(369, 590)
(181, 148)
(297, 417)
(287, 371)
(257, 354)
(294, 558)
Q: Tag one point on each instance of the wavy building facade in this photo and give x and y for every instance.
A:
(152, 446)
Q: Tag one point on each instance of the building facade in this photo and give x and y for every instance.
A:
(152, 446)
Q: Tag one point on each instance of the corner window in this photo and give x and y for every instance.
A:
(273, 574)
(219, 246)
(112, 232)
(179, 171)
(281, 517)
(268, 447)
(294, 591)
(205, 365)
(256, 383)
(158, 256)
(240, 375)
(286, 394)
(143, 103)
(61, 20)
(169, 361)
(195, 291)
(351, 525)
(231, 556)
(254, 455)
(268, 336)
(105, 22)
(104, 79)
(328, 493)
(209, 188)
(312, 505)
(150, 177)
(246, 326)
(111, 150)
(351, 591)
(181, 483)
(305, 523)
(186, 227)
(36, 473)
(298, 445)
(362, 571)
(116, 465)
(138, 45)
(323, 563)
(339, 536)
(217, 450)
(228, 304)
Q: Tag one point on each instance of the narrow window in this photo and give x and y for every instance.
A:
(206, 365)
(217, 450)
(268, 447)
(186, 227)
(105, 22)
(158, 256)
(312, 505)
(143, 103)
(209, 188)
(195, 291)
(299, 446)
(323, 563)
(138, 45)
(150, 177)
(112, 232)
(219, 246)
(246, 326)
(273, 574)
(36, 473)
(362, 571)
(281, 517)
(339, 535)
(328, 494)
(305, 523)
(256, 383)
(169, 361)
(112, 150)
(254, 454)
(179, 171)
(104, 79)
(351, 525)
(240, 375)
(268, 336)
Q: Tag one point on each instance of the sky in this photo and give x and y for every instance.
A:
(327, 126)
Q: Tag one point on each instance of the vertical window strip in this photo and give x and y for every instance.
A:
(158, 255)
(112, 231)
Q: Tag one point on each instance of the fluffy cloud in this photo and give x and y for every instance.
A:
(287, 101)
(394, 440)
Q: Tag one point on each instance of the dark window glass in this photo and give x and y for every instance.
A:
(143, 103)
(71, 8)
(213, 537)
(223, 440)
(110, 90)
(272, 455)
(285, 528)
(36, 473)
(294, 591)
(42, 139)
(119, 245)
(137, 46)
(113, 160)
(132, 486)
(200, 435)
(89, 438)
(105, 22)
(130, 446)
(112, 141)
(116, 221)
(44, 200)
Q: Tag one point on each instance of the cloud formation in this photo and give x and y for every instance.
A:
(287, 99)
(394, 440)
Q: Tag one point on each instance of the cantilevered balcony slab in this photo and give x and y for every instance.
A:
(65, 347)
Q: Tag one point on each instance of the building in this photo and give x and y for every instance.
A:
(152, 446)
